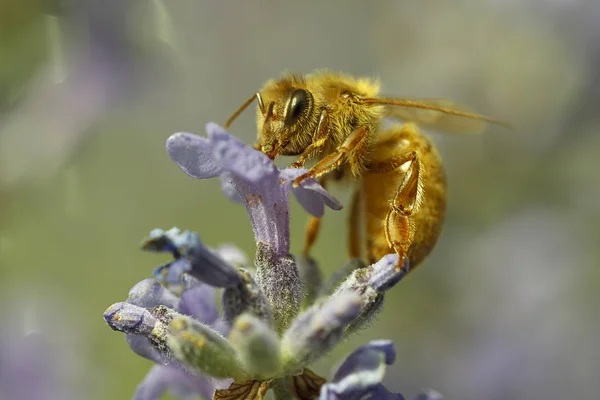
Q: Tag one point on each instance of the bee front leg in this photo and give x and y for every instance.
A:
(355, 144)
(319, 139)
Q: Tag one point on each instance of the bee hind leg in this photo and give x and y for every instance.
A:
(399, 224)
(353, 234)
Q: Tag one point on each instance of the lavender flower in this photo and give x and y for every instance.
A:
(257, 182)
(276, 319)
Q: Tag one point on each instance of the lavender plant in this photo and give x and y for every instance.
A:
(278, 316)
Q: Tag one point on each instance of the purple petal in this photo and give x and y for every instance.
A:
(267, 204)
(164, 379)
(368, 357)
(378, 392)
(268, 208)
(175, 270)
(229, 190)
(311, 203)
(233, 155)
(210, 268)
(142, 347)
(193, 257)
(233, 255)
(199, 303)
(384, 274)
(150, 293)
(360, 375)
(194, 155)
(189, 282)
(128, 318)
(310, 194)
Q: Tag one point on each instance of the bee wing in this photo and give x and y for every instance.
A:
(439, 114)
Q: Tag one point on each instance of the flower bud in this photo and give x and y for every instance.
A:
(203, 349)
(311, 277)
(318, 329)
(257, 346)
(246, 297)
(150, 293)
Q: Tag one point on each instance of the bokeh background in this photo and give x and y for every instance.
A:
(506, 307)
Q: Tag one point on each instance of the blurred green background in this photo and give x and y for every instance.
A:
(504, 308)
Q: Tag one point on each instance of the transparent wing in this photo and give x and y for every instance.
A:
(439, 114)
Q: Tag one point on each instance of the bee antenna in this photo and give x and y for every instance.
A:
(244, 106)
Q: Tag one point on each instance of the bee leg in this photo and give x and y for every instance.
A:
(399, 225)
(312, 227)
(354, 232)
(319, 140)
(310, 235)
(391, 164)
(354, 145)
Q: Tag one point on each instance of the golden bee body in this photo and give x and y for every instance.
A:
(334, 121)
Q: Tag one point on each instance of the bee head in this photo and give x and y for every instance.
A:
(282, 124)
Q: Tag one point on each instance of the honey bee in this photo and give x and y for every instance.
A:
(336, 122)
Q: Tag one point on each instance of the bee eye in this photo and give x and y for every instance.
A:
(298, 103)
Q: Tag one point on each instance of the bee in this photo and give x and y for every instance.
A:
(336, 122)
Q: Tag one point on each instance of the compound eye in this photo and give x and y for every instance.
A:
(298, 104)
